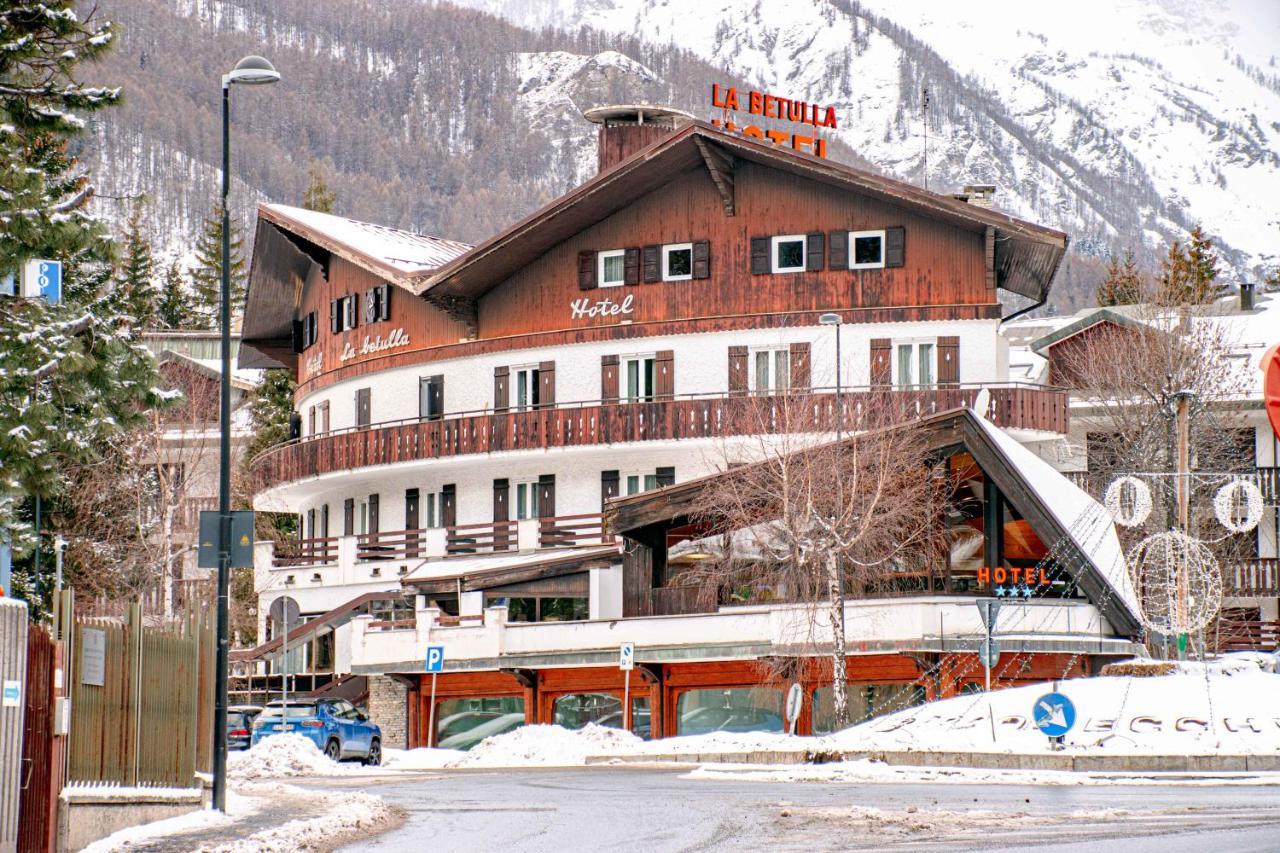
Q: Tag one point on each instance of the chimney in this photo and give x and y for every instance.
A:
(626, 128)
(980, 195)
(1246, 296)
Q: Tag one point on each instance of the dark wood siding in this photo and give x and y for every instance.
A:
(948, 361)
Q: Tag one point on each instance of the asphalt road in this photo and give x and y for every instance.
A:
(627, 808)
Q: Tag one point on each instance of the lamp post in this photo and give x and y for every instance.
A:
(250, 71)
(833, 319)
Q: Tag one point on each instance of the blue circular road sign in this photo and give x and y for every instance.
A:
(1054, 714)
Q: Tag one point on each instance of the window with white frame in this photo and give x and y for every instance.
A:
(677, 262)
(788, 253)
(524, 387)
(431, 510)
(769, 370)
(866, 250)
(639, 481)
(526, 499)
(612, 272)
(637, 378)
(362, 517)
(915, 363)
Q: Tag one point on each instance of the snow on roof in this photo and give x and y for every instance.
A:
(1086, 521)
(404, 251)
(471, 566)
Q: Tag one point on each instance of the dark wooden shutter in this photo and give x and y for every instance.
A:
(501, 388)
(435, 397)
(410, 509)
(373, 513)
(384, 302)
(448, 505)
(501, 499)
(324, 417)
(297, 336)
(949, 361)
(652, 267)
(759, 255)
(664, 374)
(666, 477)
(702, 259)
(324, 521)
(311, 523)
(881, 361)
(546, 384)
(335, 315)
(838, 250)
(586, 270)
(608, 486)
(895, 246)
(815, 251)
(631, 266)
(353, 311)
(799, 358)
(737, 370)
(311, 420)
(348, 516)
(609, 378)
(364, 414)
(547, 496)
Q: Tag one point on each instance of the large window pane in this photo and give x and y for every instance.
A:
(781, 370)
(926, 364)
(462, 723)
(762, 371)
(790, 255)
(732, 709)
(577, 709)
(613, 269)
(564, 609)
(904, 364)
(865, 701)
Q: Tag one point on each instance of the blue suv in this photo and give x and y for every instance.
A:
(337, 728)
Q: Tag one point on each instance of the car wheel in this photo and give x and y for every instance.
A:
(333, 750)
(374, 758)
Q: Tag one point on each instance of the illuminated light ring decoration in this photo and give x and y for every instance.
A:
(1141, 501)
(1226, 500)
(1270, 367)
(1177, 582)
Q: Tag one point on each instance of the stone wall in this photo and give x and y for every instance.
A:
(388, 708)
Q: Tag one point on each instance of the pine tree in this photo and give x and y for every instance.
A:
(206, 275)
(136, 290)
(1188, 273)
(270, 407)
(173, 306)
(318, 196)
(1123, 284)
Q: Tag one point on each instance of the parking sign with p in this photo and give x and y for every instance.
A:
(435, 659)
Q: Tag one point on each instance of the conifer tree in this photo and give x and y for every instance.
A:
(1123, 284)
(173, 305)
(270, 407)
(318, 196)
(206, 275)
(136, 290)
(1188, 272)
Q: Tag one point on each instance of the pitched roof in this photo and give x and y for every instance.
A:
(1093, 318)
(1027, 255)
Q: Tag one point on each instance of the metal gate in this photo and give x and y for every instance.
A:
(41, 749)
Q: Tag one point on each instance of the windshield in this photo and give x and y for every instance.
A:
(296, 712)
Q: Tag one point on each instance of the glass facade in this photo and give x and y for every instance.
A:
(865, 702)
(463, 723)
(729, 709)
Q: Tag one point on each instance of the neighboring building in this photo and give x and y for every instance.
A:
(470, 412)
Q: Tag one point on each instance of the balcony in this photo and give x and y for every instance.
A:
(599, 423)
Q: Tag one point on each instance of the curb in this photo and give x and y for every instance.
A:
(979, 760)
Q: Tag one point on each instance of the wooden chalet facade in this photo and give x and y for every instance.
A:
(468, 413)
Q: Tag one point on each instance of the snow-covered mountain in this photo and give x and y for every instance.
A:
(1122, 122)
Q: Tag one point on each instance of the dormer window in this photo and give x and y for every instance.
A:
(788, 253)
(677, 262)
(612, 267)
(866, 250)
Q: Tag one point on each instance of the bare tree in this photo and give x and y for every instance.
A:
(801, 517)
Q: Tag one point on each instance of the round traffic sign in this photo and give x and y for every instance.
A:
(1054, 714)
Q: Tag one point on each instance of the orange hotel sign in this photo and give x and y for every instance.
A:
(765, 105)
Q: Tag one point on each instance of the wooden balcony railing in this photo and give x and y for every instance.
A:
(486, 538)
(569, 531)
(579, 424)
(1259, 576)
(389, 545)
(1245, 636)
(306, 552)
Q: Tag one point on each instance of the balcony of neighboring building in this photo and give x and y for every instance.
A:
(1033, 409)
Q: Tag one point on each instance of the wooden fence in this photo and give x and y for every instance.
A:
(142, 701)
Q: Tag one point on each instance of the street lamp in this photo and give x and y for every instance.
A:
(250, 71)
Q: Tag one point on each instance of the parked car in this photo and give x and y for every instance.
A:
(700, 721)
(251, 710)
(338, 729)
(239, 725)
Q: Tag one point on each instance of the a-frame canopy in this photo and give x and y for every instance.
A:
(1075, 526)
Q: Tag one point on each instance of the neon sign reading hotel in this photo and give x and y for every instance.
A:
(772, 106)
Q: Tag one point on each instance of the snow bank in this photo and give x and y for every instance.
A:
(419, 759)
(285, 754)
(548, 746)
(351, 814)
(1229, 706)
(238, 806)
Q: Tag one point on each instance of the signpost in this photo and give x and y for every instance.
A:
(285, 614)
(626, 663)
(434, 664)
(989, 650)
(1054, 714)
(795, 699)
